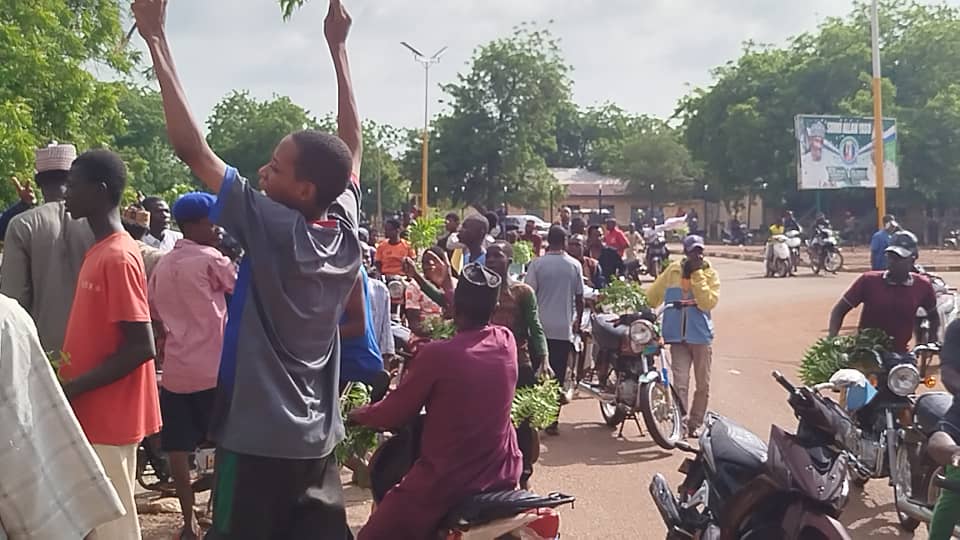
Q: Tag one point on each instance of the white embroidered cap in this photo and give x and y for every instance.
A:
(55, 157)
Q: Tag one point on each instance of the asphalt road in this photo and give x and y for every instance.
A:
(762, 325)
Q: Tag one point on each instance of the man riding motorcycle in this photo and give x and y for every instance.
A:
(468, 445)
(890, 298)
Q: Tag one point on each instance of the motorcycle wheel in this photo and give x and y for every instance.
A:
(658, 407)
(781, 268)
(902, 487)
(613, 413)
(833, 261)
(654, 269)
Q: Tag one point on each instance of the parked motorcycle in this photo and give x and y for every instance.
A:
(952, 239)
(825, 252)
(948, 308)
(892, 427)
(634, 377)
(795, 242)
(656, 255)
(779, 262)
(736, 487)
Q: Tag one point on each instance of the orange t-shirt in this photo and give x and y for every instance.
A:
(111, 288)
(390, 256)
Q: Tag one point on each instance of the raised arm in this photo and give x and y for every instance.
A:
(336, 27)
(185, 136)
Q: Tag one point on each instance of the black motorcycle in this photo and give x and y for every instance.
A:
(736, 487)
(656, 255)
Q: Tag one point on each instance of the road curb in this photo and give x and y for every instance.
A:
(850, 270)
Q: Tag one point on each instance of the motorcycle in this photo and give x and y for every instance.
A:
(397, 286)
(892, 427)
(795, 242)
(657, 253)
(825, 252)
(948, 308)
(630, 349)
(952, 239)
(740, 236)
(779, 261)
(485, 516)
(736, 487)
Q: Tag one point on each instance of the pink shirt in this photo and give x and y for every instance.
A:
(187, 295)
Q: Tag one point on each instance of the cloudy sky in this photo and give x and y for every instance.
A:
(641, 54)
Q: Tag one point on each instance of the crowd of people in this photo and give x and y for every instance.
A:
(269, 298)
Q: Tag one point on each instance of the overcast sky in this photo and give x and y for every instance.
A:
(640, 54)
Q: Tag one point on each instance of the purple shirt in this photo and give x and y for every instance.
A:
(187, 295)
(469, 444)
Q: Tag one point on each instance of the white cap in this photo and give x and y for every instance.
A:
(55, 157)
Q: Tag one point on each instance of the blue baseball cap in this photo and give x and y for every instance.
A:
(193, 206)
(692, 242)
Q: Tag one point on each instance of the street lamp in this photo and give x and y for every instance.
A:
(427, 62)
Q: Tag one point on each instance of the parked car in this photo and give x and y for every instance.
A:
(519, 222)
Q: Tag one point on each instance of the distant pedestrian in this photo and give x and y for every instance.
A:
(557, 280)
(160, 235)
(880, 241)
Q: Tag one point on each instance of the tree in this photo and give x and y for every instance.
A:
(244, 131)
(45, 92)
(490, 147)
(152, 166)
(656, 164)
(741, 128)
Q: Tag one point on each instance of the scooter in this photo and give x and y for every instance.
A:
(735, 487)
(779, 261)
(657, 253)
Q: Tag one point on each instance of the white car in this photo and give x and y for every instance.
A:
(519, 221)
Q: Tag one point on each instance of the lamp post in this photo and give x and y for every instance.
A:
(600, 202)
(881, 195)
(652, 187)
(427, 62)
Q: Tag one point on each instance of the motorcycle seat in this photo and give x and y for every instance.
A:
(491, 506)
(733, 443)
(606, 334)
(930, 409)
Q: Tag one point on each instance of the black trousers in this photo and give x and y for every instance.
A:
(525, 436)
(261, 498)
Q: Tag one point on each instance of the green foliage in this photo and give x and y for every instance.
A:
(622, 296)
(522, 252)
(741, 126)
(245, 131)
(46, 92)
(438, 328)
(538, 404)
(359, 440)
(425, 230)
(287, 7)
(502, 117)
(828, 355)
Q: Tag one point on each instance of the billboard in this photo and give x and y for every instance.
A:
(835, 152)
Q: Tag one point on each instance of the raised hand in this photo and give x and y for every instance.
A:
(151, 16)
(25, 191)
(336, 26)
(410, 268)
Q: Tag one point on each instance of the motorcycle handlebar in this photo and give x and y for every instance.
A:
(929, 347)
(777, 376)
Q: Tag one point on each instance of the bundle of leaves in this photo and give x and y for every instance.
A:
(438, 328)
(58, 359)
(622, 297)
(828, 355)
(359, 440)
(424, 231)
(522, 252)
(538, 404)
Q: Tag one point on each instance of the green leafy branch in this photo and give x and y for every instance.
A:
(57, 360)
(538, 404)
(438, 328)
(622, 297)
(359, 440)
(522, 252)
(424, 231)
(829, 355)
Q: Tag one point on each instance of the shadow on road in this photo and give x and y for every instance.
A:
(596, 444)
(865, 517)
(762, 277)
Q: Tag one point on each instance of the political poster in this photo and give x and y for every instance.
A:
(836, 152)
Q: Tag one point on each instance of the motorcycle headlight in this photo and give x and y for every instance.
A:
(641, 334)
(396, 289)
(903, 379)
